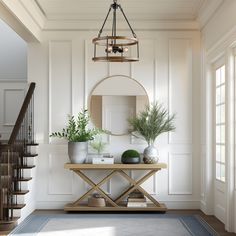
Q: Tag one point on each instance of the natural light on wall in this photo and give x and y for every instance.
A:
(220, 123)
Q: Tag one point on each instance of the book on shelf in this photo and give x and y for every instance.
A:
(137, 204)
(136, 199)
(136, 194)
(133, 199)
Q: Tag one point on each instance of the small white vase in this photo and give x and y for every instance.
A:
(77, 152)
(150, 155)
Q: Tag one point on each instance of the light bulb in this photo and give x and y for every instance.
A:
(108, 49)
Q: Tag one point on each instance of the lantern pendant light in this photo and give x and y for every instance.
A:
(114, 48)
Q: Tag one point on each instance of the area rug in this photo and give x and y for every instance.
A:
(113, 225)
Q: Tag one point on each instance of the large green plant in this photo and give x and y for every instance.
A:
(77, 130)
(152, 122)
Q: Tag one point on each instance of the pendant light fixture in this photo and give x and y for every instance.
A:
(114, 48)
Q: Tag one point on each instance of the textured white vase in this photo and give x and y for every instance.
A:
(77, 152)
(150, 155)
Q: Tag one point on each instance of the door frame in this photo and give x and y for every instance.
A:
(219, 185)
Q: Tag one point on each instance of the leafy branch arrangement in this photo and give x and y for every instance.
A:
(77, 130)
(98, 145)
(152, 122)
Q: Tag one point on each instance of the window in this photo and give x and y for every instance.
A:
(220, 123)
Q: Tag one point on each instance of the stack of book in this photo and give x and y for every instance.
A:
(136, 199)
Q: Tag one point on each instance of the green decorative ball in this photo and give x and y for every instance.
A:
(130, 157)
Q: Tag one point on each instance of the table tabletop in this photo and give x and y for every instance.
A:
(119, 166)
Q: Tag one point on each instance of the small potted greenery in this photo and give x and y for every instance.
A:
(98, 145)
(78, 134)
(130, 157)
(149, 124)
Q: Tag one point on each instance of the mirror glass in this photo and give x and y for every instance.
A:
(114, 100)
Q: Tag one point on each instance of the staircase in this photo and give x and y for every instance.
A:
(15, 155)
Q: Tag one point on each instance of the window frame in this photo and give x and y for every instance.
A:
(218, 162)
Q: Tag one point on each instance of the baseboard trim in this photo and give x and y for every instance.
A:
(182, 205)
(46, 205)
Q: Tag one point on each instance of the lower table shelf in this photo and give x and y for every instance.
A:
(121, 207)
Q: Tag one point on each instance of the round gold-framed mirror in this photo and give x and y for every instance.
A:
(114, 100)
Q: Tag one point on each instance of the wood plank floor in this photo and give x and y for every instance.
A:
(211, 220)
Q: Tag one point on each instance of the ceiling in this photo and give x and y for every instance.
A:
(134, 9)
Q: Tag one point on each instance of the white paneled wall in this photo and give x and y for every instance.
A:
(60, 83)
(11, 98)
(65, 75)
(180, 86)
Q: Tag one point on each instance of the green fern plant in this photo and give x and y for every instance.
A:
(152, 122)
(77, 130)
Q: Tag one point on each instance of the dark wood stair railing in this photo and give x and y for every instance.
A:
(14, 155)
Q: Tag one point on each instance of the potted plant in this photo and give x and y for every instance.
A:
(78, 134)
(130, 157)
(98, 145)
(149, 124)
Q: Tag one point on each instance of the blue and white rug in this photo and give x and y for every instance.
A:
(113, 225)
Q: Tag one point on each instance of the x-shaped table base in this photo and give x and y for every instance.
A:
(134, 185)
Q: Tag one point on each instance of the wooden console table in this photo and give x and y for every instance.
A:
(115, 204)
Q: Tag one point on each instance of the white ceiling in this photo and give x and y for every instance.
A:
(134, 9)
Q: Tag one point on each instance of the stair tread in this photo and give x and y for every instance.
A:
(25, 167)
(6, 164)
(20, 192)
(32, 144)
(14, 206)
(14, 219)
(29, 155)
(22, 179)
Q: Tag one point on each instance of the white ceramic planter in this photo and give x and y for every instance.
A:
(77, 152)
(150, 155)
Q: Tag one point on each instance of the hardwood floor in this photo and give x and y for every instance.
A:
(217, 225)
(211, 220)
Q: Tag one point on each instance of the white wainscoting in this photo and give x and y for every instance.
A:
(12, 94)
(60, 83)
(168, 68)
(180, 184)
(180, 89)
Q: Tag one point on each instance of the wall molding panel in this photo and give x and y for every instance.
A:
(180, 89)
(11, 99)
(58, 185)
(60, 83)
(180, 184)
(10, 113)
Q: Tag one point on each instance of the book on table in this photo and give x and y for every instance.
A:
(137, 204)
(132, 199)
(136, 199)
